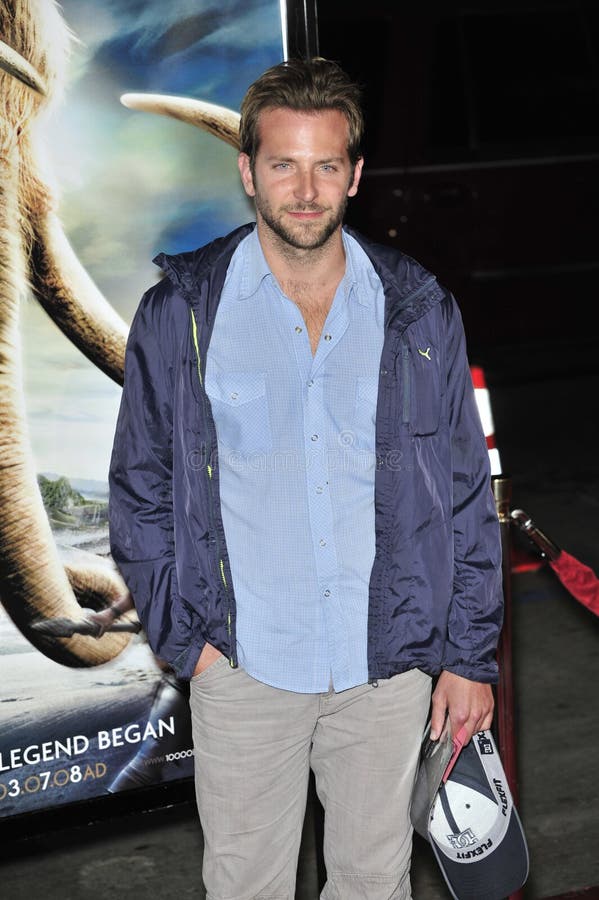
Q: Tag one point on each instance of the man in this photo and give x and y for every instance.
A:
(301, 508)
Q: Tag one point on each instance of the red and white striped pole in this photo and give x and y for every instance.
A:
(483, 403)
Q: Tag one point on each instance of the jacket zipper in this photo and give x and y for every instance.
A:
(221, 564)
(405, 373)
(406, 386)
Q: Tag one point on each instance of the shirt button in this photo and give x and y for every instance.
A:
(326, 593)
(298, 329)
(322, 542)
(319, 489)
(310, 383)
(314, 437)
(327, 337)
(234, 396)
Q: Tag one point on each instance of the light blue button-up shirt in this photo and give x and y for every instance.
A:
(296, 442)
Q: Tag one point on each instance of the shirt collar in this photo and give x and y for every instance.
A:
(356, 281)
(360, 278)
(349, 282)
(254, 267)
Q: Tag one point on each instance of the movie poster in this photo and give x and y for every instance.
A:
(90, 191)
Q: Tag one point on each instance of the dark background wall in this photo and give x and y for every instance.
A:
(482, 159)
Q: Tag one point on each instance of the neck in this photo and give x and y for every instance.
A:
(323, 265)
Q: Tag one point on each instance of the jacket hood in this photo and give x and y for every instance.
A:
(413, 288)
(187, 270)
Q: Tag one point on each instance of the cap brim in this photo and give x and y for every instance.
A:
(434, 757)
(491, 876)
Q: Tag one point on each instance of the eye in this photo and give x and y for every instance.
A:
(282, 166)
(328, 167)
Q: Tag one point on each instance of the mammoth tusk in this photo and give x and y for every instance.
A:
(73, 301)
(60, 282)
(223, 123)
(16, 65)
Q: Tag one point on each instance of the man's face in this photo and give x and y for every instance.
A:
(302, 175)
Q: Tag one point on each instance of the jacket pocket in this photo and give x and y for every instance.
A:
(240, 408)
(421, 387)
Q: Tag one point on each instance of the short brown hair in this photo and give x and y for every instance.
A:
(304, 85)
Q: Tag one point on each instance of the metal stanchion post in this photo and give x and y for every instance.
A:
(502, 490)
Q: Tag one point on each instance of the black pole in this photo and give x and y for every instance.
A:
(302, 29)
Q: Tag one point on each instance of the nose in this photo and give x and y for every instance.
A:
(305, 187)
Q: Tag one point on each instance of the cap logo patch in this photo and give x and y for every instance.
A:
(485, 746)
(465, 839)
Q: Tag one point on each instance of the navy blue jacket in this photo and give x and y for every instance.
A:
(435, 598)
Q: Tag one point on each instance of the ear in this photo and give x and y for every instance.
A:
(353, 188)
(245, 170)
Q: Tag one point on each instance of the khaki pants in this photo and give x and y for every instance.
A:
(254, 747)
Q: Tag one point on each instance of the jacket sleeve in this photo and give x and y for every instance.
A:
(476, 609)
(141, 504)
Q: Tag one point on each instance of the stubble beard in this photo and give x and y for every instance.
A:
(304, 236)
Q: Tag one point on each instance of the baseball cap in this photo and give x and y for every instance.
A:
(471, 822)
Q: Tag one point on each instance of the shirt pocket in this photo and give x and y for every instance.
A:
(367, 388)
(240, 409)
